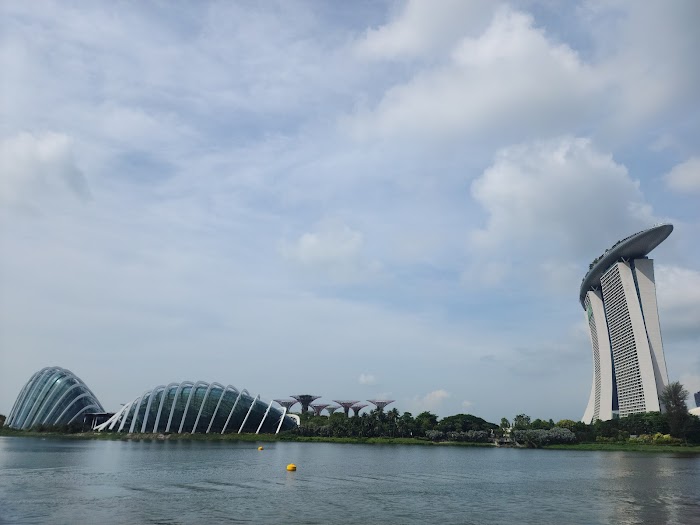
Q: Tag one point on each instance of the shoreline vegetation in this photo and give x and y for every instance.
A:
(674, 430)
(288, 437)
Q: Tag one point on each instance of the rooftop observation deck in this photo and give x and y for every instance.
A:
(633, 247)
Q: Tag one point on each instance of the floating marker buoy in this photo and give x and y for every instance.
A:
(291, 467)
(260, 448)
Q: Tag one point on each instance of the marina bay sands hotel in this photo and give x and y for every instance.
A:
(618, 295)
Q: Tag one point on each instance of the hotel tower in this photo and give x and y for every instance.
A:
(618, 295)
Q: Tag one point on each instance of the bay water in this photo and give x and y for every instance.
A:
(69, 481)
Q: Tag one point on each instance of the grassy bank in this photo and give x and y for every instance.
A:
(271, 438)
(379, 441)
(629, 447)
(250, 438)
(122, 436)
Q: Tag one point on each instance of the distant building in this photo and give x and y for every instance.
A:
(697, 399)
(618, 295)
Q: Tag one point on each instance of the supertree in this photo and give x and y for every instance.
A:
(286, 403)
(318, 408)
(381, 403)
(305, 400)
(331, 409)
(357, 407)
(346, 405)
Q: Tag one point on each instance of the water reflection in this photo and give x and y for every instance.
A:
(653, 488)
(65, 481)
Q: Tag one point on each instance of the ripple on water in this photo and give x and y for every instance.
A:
(113, 482)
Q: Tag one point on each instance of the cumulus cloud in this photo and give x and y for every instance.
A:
(333, 248)
(37, 165)
(485, 69)
(422, 29)
(430, 401)
(367, 379)
(685, 177)
(509, 78)
(332, 244)
(560, 198)
(467, 404)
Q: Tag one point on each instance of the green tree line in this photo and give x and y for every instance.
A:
(674, 425)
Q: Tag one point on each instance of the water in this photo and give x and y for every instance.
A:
(114, 482)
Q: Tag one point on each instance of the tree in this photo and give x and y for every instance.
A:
(505, 425)
(673, 398)
(645, 423)
(567, 423)
(521, 422)
(406, 425)
(464, 423)
(426, 421)
(539, 424)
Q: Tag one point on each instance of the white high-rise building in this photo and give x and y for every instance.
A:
(618, 295)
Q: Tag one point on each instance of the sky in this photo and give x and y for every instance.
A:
(350, 199)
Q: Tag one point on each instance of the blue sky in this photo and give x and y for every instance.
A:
(354, 200)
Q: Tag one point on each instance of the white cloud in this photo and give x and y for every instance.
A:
(334, 249)
(38, 165)
(685, 177)
(367, 379)
(467, 404)
(558, 199)
(430, 401)
(332, 244)
(510, 78)
(422, 29)
(484, 70)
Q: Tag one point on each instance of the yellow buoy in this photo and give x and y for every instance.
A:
(291, 467)
(260, 448)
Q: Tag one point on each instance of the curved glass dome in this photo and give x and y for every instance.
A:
(52, 396)
(198, 408)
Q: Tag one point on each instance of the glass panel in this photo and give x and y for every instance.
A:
(224, 410)
(208, 409)
(140, 413)
(273, 419)
(165, 411)
(179, 408)
(195, 403)
(255, 417)
(153, 411)
(65, 392)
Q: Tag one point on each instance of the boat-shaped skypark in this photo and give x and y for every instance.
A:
(619, 296)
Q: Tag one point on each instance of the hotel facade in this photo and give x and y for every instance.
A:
(618, 295)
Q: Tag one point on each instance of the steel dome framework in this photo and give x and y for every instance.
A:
(198, 407)
(52, 396)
